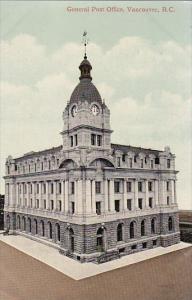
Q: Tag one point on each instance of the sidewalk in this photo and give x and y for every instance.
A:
(75, 269)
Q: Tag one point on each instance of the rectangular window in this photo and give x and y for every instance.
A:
(52, 189)
(42, 166)
(140, 186)
(93, 139)
(168, 202)
(76, 140)
(150, 202)
(44, 202)
(52, 205)
(31, 188)
(72, 187)
(117, 205)
(123, 157)
(118, 161)
(129, 186)
(140, 202)
(130, 162)
(98, 187)
(129, 204)
(71, 140)
(59, 187)
(98, 208)
(44, 188)
(57, 161)
(37, 203)
(72, 207)
(141, 163)
(25, 188)
(29, 168)
(145, 160)
(49, 165)
(152, 164)
(168, 163)
(167, 186)
(99, 140)
(155, 243)
(37, 188)
(35, 167)
(31, 203)
(59, 205)
(150, 186)
(23, 169)
(117, 186)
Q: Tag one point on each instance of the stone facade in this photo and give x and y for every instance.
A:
(91, 199)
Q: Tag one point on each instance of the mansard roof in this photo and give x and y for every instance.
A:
(33, 154)
(135, 150)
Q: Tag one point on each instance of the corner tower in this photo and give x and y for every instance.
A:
(86, 117)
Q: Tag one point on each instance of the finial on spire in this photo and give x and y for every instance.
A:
(85, 42)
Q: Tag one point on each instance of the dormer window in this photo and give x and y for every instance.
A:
(168, 163)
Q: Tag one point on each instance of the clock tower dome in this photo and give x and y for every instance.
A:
(86, 117)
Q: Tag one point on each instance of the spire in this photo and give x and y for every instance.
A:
(85, 66)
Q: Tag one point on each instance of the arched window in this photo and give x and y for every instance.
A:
(50, 231)
(170, 223)
(132, 230)
(120, 232)
(100, 242)
(24, 223)
(36, 226)
(153, 225)
(29, 222)
(42, 228)
(18, 222)
(71, 240)
(143, 228)
(57, 232)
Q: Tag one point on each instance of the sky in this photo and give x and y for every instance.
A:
(141, 66)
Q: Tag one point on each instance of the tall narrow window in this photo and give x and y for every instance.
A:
(44, 204)
(119, 232)
(168, 202)
(52, 189)
(99, 140)
(153, 226)
(42, 166)
(129, 186)
(76, 140)
(143, 228)
(72, 187)
(152, 164)
(167, 185)
(117, 186)
(72, 207)
(130, 162)
(59, 187)
(132, 230)
(141, 163)
(168, 164)
(52, 204)
(118, 161)
(170, 223)
(71, 139)
(59, 205)
(93, 139)
(150, 202)
(129, 204)
(117, 205)
(98, 207)
(140, 186)
(140, 202)
(97, 187)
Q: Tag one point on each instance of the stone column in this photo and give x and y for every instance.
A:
(12, 195)
(62, 196)
(80, 197)
(33, 194)
(106, 195)
(47, 194)
(146, 204)
(55, 195)
(136, 193)
(156, 198)
(66, 196)
(93, 197)
(17, 194)
(125, 194)
(40, 195)
(88, 196)
(28, 195)
(175, 192)
(111, 196)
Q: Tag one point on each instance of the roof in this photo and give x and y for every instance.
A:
(85, 90)
(38, 153)
(136, 150)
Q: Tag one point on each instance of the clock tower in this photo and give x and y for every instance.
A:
(86, 117)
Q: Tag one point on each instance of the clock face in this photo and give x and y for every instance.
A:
(74, 110)
(95, 110)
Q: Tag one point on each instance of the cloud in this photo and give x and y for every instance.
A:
(145, 85)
